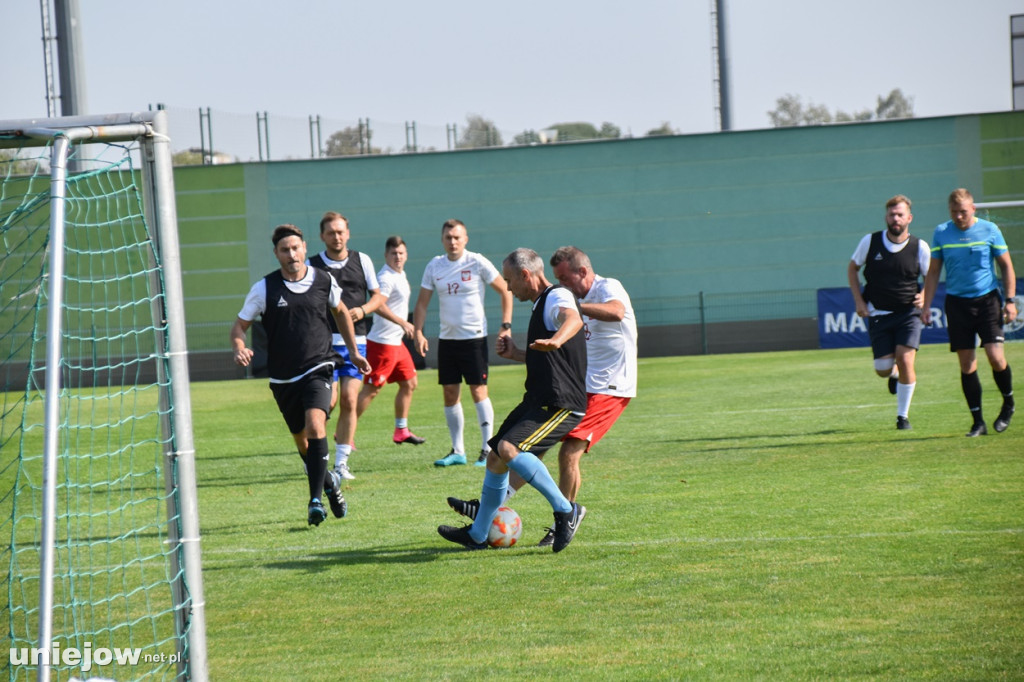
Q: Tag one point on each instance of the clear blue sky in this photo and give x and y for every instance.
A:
(523, 65)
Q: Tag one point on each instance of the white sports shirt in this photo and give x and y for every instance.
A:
(460, 285)
(256, 299)
(559, 298)
(394, 285)
(924, 258)
(611, 346)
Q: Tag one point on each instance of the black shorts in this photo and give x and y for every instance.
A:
(895, 329)
(459, 359)
(309, 392)
(531, 428)
(967, 318)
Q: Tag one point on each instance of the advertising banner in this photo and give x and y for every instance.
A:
(839, 326)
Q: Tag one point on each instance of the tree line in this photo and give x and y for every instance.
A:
(479, 131)
(482, 132)
(791, 111)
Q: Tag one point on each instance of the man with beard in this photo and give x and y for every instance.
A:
(894, 262)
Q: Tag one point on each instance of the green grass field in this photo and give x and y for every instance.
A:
(750, 517)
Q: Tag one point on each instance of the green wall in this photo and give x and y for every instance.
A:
(727, 213)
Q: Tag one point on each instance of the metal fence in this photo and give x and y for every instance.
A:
(228, 137)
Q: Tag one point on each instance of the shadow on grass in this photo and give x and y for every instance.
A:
(799, 442)
(246, 455)
(242, 479)
(407, 554)
(382, 555)
(749, 436)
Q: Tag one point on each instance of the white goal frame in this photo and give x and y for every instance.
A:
(149, 130)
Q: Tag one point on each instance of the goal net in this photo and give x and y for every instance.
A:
(1009, 216)
(98, 520)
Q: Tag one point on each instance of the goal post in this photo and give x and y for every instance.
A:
(98, 498)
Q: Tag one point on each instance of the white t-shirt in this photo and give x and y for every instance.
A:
(256, 299)
(611, 346)
(460, 285)
(860, 255)
(558, 298)
(368, 275)
(394, 285)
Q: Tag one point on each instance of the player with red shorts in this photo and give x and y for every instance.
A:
(610, 328)
(385, 350)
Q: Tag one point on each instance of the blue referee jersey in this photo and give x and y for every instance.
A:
(968, 256)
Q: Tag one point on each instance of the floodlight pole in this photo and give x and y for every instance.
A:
(70, 60)
(721, 67)
(51, 94)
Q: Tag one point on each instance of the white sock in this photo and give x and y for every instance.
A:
(456, 423)
(341, 453)
(904, 392)
(401, 422)
(485, 415)
(509, 492)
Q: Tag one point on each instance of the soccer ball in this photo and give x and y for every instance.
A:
(505, 528)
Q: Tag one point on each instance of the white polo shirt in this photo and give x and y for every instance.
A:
(460, 286)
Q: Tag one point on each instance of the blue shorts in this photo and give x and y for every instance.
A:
(348, 369)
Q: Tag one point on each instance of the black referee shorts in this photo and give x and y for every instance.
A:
(968, 318)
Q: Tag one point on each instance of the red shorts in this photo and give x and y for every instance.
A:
(389, 363)
(602, 411)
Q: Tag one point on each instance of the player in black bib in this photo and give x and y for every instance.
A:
(295, 303)
(355, 274)
(554, 402)
(894, 263)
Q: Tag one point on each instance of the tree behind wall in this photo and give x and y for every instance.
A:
(479, 132)
(351, 141)
(11, 163)
(790, 111)
(664, 129)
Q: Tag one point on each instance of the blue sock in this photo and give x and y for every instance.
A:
(491, 497)
(536, 474)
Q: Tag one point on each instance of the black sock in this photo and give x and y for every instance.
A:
(316, 466)
(1004, 380)
(971, 385)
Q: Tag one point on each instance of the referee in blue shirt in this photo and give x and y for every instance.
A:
(968, 246)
